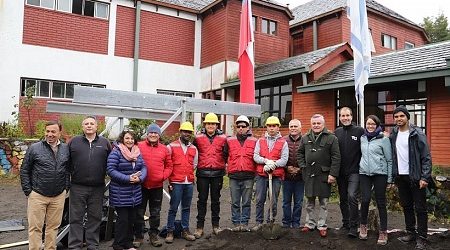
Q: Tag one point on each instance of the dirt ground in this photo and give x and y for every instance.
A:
(13, 206)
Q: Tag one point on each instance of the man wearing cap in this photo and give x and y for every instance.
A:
(319, 158)
(210, 171)
(241, 172)
(159, 167)
(293, 185)
(184, 157)
(411, 167)
(271, 155)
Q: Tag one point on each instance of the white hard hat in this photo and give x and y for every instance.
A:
(243, 118)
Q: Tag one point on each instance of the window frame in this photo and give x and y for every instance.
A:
(268, 31)
(391, 39)
(175, 93)
(412, 45)
(279, 93)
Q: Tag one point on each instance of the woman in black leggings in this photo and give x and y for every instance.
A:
(375, 169)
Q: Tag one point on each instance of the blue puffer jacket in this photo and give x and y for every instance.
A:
(121, 192)
(376, 156)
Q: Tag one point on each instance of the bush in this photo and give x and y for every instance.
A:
(71, 125)
(139, 126)
(11, 130)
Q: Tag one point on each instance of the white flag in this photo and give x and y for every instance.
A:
(361, 43)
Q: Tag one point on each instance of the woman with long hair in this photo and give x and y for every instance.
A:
(127, 170)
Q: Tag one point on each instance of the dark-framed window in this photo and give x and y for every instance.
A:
(81, 7)
(255, 23)
(389, 41)
(275, 99)
(381, 100)
(269, 27)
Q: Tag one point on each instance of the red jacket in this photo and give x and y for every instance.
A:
(158, 162)
(210, 155)
(183, 164)
(275, 154)
(240, 158)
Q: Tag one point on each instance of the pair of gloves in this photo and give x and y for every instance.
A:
(269, 166)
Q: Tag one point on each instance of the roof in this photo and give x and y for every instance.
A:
(394, 66)
(199, 5)
(310, 10)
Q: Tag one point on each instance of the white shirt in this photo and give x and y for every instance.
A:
(402, 152)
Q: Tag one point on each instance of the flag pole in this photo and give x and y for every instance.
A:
(361, 112)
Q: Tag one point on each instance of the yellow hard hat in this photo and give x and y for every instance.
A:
(211, 118)
(187, 126)
(273, 120)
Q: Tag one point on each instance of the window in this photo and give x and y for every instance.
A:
(388, 41)
(52, 89)
(269, 27)
(80, 7)
(64, 5)
(175, 93)
(275, 99)
(254, 22)
(409, 45)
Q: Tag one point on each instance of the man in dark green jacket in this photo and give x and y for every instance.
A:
(319, 158)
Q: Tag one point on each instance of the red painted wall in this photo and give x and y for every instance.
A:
(61, 30)
(162, 38)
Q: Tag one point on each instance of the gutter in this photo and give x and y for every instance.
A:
(137, 29)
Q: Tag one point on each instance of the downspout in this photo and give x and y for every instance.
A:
(137, 29)
(315, 35)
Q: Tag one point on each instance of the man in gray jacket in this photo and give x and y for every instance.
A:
(319, 158)
(44, 176)
(411, 167)
(88, 155)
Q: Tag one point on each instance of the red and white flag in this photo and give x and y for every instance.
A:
(246, 55)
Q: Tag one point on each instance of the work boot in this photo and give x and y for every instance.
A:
(138, 242)
(236, 228)
(154, 240)
(257, 227)
(216, 230)
(409, 237)
(169, 237)
(363, 232)
(198, 233)
(421, 243)
(382, 238)
(352, 232)
(187, 235)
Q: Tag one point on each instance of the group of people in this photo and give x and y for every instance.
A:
(304, 165)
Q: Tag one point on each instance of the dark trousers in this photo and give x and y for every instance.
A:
(123, 230)
(413, 201)
(85, 200)
(348, 199)
(152, 197)
(204, 186)
(379, 183)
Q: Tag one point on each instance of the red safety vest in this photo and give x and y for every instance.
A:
(275, 154)
(210, 155)
(240, 158)
(183, 164)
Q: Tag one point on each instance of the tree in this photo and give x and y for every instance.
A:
(436, 28)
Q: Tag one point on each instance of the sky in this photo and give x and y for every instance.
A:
(414, 10)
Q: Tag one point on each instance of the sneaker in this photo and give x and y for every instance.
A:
(352, 232)
(138, 242)
(187, 235)
(169, 237)
(257, 227)
(363, 232)
(382, 238)
(154, 240)
(236, 228)
(216, 230)
(410, 237)
(198, 233)
(421, 243)
(245, 228)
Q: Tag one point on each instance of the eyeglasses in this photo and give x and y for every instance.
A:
(241, 126)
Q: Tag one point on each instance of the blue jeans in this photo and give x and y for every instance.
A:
(241, 200)
(180, 193)
(262, 184)
(292, 190)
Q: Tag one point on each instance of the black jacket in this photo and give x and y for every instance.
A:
(349, 138)
(88, 160)
(419, 155)
(44, 172)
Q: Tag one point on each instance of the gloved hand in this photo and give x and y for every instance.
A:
(267, 168)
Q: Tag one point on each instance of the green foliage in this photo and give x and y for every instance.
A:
(139, 126)
(28, 103)
(437, 28)
(71, 124)
(438, 204)
(11, 130)
(168, 139)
